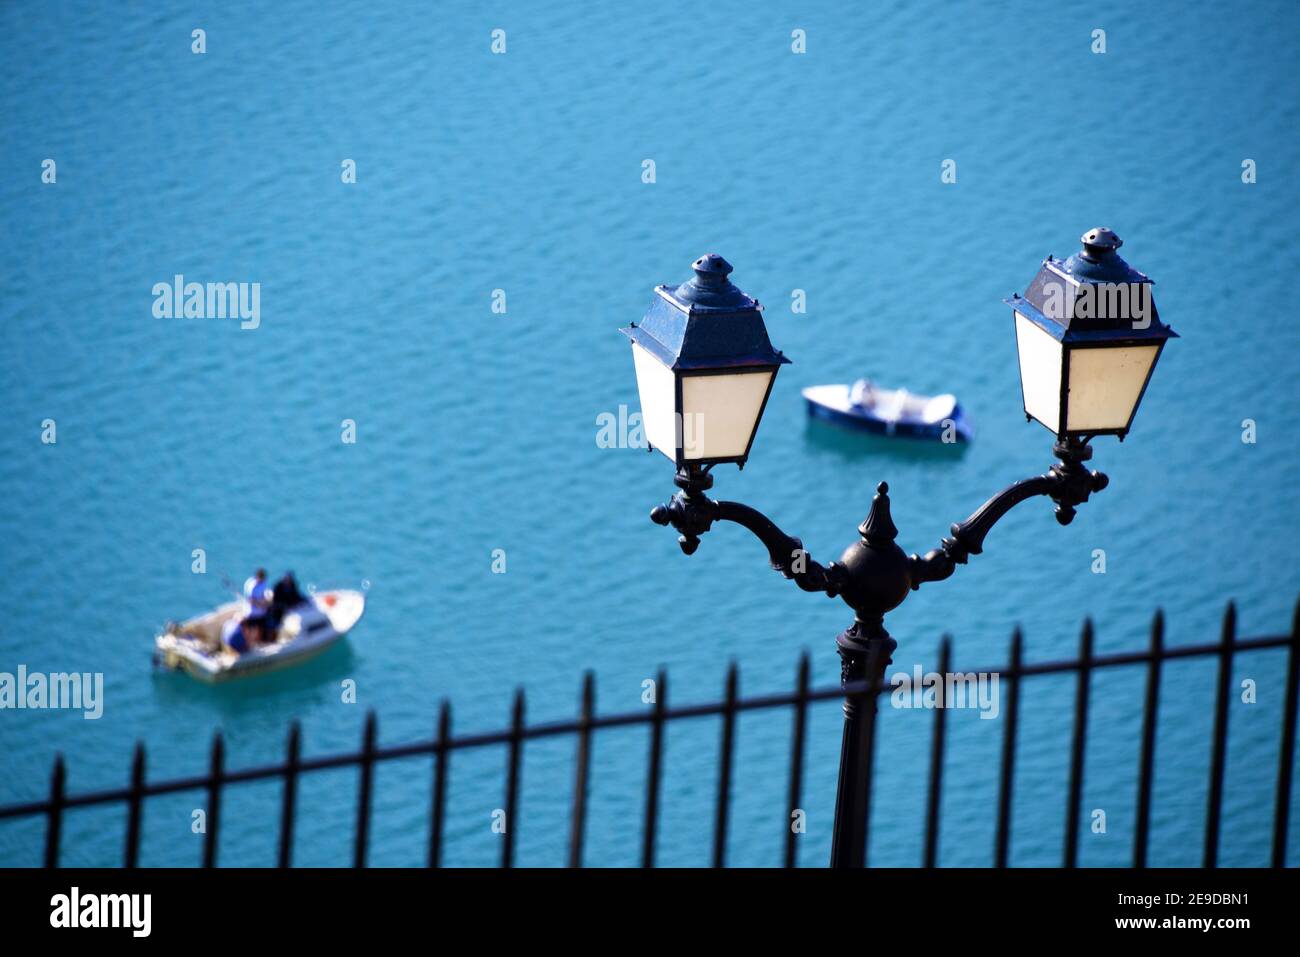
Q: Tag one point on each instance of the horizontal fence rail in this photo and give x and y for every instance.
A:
(656, 717)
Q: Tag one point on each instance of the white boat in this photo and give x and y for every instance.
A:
(198, 648)
(867, 407)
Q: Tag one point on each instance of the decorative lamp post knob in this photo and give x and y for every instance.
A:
(711, 269)
(878, 528)
(877, 574)
(1099, 242)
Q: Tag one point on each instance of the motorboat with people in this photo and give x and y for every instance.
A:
(867, 407)
(264, 630)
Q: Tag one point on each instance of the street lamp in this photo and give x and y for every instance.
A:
(702, 352)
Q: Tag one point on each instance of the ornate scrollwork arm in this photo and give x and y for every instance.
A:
(874, 575)
(1068, 483)
(692, 513)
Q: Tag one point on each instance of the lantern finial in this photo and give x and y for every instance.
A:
(711, 268)
(1099, 242)
(710, 287)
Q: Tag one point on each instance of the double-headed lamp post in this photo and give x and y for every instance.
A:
(1088, 338)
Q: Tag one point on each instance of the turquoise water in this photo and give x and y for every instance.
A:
(476, 430)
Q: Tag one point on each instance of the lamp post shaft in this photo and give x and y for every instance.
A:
(865, 652)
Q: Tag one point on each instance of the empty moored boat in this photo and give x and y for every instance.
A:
(867, 407)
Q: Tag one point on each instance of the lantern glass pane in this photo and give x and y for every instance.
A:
(1040, 372)
(1105, 384)
(720, 412)
(657, 387)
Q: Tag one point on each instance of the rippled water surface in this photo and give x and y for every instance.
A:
(476, 430)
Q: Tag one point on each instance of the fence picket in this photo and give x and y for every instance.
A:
(724, 769)
(213, 822)
(512, 780)
(657, 717)
(442, 746)
(1077, 741)
(581, 761)
(55, 823)
(1286, 751)
(931, 854)
(290, 796)
(1007, 774)
(796, 758)
(135, 801)
(1218, 756)
(1146, 763)
(366, 761)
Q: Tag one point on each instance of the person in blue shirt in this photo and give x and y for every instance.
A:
(233, 635)
(259, 599)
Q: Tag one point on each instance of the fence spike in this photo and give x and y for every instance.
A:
(653, 770)
(512, 779)
(290, 796)
(442, 756)
(54, 824)
(367, 764)
(213, 823)
(1286, 749)
(724, 767)
(1146, 762)
(1006, 778)
(135, 806)
(1078, 738)
(587, 709)
(931, 853)
(802, 680)
(1218, 754)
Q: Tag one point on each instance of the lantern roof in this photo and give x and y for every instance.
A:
(1093, 296)
(705, 323)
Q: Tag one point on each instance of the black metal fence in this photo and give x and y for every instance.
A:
(444, 744)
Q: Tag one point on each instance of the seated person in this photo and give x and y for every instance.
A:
(240, 635)
(284, 597)
(863, 394)
(286, 591)
(259, 597)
